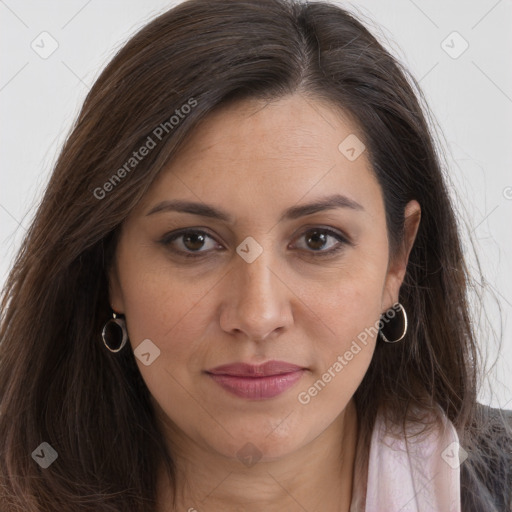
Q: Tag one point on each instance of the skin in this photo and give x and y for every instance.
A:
(254, 159)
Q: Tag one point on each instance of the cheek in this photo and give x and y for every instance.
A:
(169, 311)
(175, 319)
(351, 311)
(350, 300)
(349, 306)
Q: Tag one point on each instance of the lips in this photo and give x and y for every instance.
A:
(257, 382)
(249, 370)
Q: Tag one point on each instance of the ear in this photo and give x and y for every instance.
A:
(114, 289)
(397, 267)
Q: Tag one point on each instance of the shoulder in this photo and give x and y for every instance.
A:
(486, 475)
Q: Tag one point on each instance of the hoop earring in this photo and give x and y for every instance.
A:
(397, 329)
(115, 329)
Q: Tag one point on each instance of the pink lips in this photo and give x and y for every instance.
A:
(257, 382)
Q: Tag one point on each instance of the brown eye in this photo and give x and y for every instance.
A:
(316, 240)
(194, 241)
(189, 242)
(197, 243)
(322, 241)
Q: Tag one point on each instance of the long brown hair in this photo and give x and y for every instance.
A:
(58, 383)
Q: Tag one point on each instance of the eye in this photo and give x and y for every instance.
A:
(193, 243)
(318, 239)
(190, 242)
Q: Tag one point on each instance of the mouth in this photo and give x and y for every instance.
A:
(257, 382)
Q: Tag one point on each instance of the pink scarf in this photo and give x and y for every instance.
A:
(427, 479)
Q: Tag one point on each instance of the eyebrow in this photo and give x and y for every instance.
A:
(294, 212)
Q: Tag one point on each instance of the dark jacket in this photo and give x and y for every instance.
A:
(486, 475)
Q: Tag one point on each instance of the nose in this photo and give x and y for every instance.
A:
(256, 300)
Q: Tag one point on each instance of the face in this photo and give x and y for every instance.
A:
(266, 279)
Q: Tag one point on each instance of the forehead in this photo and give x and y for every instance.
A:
(277, 129)
(268, 153)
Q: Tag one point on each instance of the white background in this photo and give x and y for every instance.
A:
(470, 96)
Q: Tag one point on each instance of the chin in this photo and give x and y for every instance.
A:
(258, 444)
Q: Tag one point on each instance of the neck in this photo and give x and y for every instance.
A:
(317, 476)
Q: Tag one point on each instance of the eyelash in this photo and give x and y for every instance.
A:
(170, 237)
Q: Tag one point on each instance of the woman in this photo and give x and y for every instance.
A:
(244, 287)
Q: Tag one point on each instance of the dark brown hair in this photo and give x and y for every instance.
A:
(58, 383)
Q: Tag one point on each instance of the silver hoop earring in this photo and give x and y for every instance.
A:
(396, 329)
(113, 331)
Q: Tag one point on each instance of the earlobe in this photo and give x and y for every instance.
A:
(114, 290)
